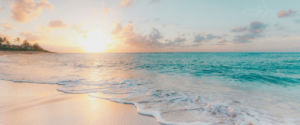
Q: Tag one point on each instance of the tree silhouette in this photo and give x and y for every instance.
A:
(17, 40)
(1, 41)
(36, 46)
(25, 46)
(7, 44)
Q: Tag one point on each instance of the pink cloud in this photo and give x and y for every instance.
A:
(7, 26)
(283, 13)
(57, 24)
(26, 10)
(30, 36)
(127, 36)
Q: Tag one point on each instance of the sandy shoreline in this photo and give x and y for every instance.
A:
(21, 52)
(37, 104)
(42, 104)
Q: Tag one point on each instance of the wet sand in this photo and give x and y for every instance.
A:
(42, 104)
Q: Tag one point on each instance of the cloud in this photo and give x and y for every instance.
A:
(127, 36)
(57, 24)
(179, 39)
(117, 28)
(211, 36)
(26, 10)
(257, 26)
(289, 13)
(239, 29)
(199, 38)
(254, 31)
(155, 34)
(126, 3)
(7, 26)
(30, 36)
(245, 38)
(79, 29)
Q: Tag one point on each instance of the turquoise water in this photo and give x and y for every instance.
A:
(176, 88)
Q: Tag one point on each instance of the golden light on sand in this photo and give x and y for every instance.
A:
(95, 42)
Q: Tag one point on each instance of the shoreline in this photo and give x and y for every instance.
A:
(10, 97)
(3, 53)
(34, 103)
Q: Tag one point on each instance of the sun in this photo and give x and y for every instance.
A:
(95, 42)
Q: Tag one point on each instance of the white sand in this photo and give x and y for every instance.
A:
(41, 104)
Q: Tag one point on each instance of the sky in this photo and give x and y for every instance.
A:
(116, 26)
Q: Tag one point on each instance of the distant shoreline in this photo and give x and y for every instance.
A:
(2, 53)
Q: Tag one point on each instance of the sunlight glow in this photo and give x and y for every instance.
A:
(95, 42)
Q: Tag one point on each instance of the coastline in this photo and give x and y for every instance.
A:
(32, 103)
(2, 53)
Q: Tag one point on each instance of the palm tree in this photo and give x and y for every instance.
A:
(1, 41)
(36, 46)
(7, 44)
(5, 39)
(18, 40)
(26, 44)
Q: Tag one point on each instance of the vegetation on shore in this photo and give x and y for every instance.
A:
(5, 44)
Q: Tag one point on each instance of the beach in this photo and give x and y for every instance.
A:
(42, 104)
(21, 52)
(177, 88)
(146, 62)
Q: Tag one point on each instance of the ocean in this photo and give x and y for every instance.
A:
(176, 88)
